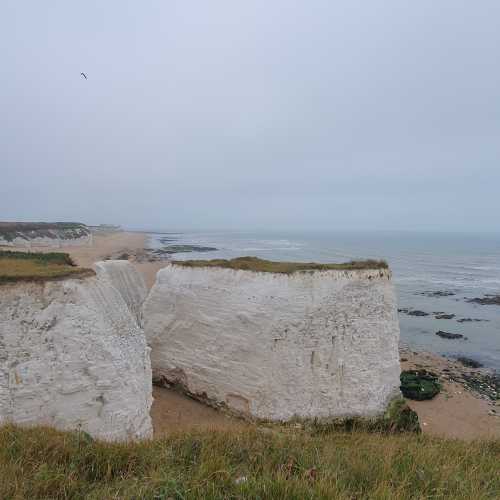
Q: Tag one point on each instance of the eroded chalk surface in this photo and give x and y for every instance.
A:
(73, 356)
(275, 346)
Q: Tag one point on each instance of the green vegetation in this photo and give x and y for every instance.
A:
(249, 463)
(26, 266)
(268, 266)
(419, 384)
(399, 417)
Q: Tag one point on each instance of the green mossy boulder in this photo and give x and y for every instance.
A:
(419, 384)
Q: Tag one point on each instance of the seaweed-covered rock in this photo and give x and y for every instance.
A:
(417, 313)
(469, 362)
(444, 316)
(438, 293)
(419, 384)
(488, 299)
(448, 335)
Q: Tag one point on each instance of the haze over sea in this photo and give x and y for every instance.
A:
(468, 265)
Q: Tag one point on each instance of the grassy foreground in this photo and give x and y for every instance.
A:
(27, 266)
(269, 266)
(43, 463)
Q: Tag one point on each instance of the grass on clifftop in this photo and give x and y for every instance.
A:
(26, 266)
(43, 463)
(268, 266)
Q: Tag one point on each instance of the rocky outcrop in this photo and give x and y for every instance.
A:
(72, 356)
(448, 335)
(44, 234)
(127, 280)
(274, 346)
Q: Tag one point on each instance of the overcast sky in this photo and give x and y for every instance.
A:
(252, 114)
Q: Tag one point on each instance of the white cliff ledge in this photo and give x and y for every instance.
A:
(73, 356)
(273, 345)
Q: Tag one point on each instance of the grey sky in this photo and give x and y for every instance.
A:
(257, 114)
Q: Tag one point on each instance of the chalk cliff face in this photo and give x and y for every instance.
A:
(44, 234)
(72, 356)
(275, 346)
(127, 281)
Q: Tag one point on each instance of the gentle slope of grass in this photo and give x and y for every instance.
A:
(25, 266)
(287, 464)
(268, 266)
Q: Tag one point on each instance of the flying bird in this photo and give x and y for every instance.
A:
(84, 75)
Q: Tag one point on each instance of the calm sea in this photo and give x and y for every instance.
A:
(467, 265)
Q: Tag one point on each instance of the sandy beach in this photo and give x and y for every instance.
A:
(457, 412)
(115, 245)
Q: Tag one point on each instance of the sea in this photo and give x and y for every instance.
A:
(435, 273)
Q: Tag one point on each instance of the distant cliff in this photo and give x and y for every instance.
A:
(44, 234)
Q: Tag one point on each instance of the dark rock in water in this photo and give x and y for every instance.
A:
(417, 313)
(411, 312)
(419, 384)
(446, 335)
(438, 293)
(469, 362)
(172, 249)
(486, 300)
(165, 240)
(444, 316)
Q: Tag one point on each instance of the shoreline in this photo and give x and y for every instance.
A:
(458, 411)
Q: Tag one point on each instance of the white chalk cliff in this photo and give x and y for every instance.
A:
(275, 346)
(73, 356)
(127, 280)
